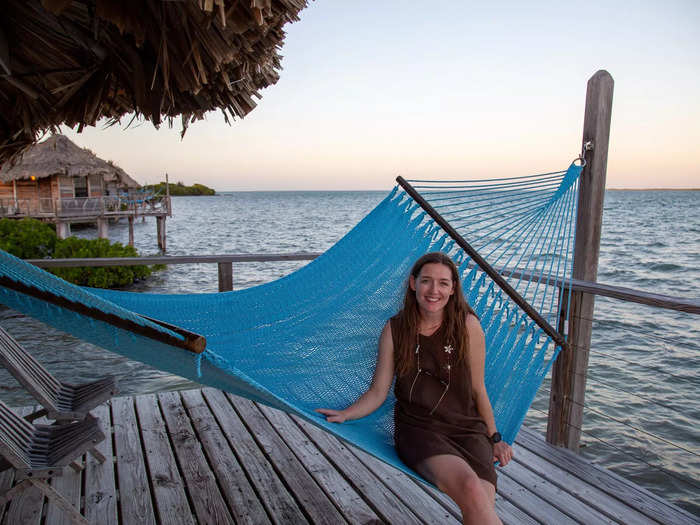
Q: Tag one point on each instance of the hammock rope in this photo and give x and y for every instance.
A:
(309, 339)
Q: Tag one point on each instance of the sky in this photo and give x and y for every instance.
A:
(445, 90)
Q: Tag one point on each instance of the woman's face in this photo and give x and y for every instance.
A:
(433, 287)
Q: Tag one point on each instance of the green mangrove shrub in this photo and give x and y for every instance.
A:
(180, 189)
(32, 239)
(27, 238)
(97, 277)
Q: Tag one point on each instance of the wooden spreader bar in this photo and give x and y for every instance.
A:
(193, 342)
(486, 267)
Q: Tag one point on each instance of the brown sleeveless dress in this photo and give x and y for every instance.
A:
(455, 427)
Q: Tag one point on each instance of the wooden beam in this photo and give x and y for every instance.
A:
(483, 265)
(160, 232)
(173, 259)
(569, 371)
(131, 231)
(192, 342)
(691, 306)
(225, 276)
(167, 196)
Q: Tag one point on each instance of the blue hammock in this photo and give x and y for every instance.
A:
(309, 339)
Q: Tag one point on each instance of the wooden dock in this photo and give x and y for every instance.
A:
(203, 456)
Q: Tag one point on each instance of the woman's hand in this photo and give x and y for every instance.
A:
(332, 416)
(372, 399)
(502, 452)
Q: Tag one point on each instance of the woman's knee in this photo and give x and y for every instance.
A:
(469, 490)
(471, 484)
(454, 476)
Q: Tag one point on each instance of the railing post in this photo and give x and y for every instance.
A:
(167, 195)
(131, 231)
(569, 371)
(63, 229)
(160, 231)
(102, 227)
(225, 276)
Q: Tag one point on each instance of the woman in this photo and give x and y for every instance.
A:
(444, 424)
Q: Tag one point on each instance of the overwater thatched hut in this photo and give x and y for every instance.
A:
(55, 172)
(58, 181)
(76, 61)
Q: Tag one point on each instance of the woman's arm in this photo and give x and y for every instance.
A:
(477, 357)
(378, 390)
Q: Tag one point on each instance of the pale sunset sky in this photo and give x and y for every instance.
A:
(462, 89)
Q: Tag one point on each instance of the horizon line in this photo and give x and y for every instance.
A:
(385, 190)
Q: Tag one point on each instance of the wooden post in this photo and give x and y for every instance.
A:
(160, 231)
(167, 195)
(225, 276)
(569, 371)
(63, 229)
(131, 230)
(102, 228)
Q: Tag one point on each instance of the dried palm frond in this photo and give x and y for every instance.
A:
(74, 62)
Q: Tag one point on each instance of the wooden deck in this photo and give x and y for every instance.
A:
(202, 456)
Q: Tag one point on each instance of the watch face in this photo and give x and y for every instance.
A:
(496, 437)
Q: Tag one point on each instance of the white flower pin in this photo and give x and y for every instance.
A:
(448, 349)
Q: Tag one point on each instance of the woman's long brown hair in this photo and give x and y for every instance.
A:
(454, 320)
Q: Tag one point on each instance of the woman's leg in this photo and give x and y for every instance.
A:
(453, 475)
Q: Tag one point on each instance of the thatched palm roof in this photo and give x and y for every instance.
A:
(57, 155)
(75, 61)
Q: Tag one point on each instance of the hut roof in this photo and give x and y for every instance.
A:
(75, 61)
(57, 155)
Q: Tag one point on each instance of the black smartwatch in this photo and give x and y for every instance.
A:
(496, 437)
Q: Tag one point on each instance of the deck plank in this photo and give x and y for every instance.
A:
(206, 498)
(7, 478)
(592, 495)
(135, 504)
(382, 500)
(636, 497)
(25, 508)
(69, 486)
(307, 492)
(280, 505)
(168, 487)
(529, 502)
(350, 503)
(176, 451)
(420, 502)
(240, 495)
(100, 489)
(507, 512)
(561, 499)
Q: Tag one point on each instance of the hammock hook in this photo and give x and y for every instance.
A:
(587, 146)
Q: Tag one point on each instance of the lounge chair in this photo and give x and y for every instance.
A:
(39, 452)
(62, 402)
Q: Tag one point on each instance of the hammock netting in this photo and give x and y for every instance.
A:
(309, 339)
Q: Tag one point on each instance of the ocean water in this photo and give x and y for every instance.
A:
(642, 404)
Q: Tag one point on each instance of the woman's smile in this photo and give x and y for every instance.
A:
(433, 287)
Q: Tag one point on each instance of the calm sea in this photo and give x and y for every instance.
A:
(642, 404)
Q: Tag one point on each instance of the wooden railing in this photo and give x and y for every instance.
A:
(225, 264)
(48, 207)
